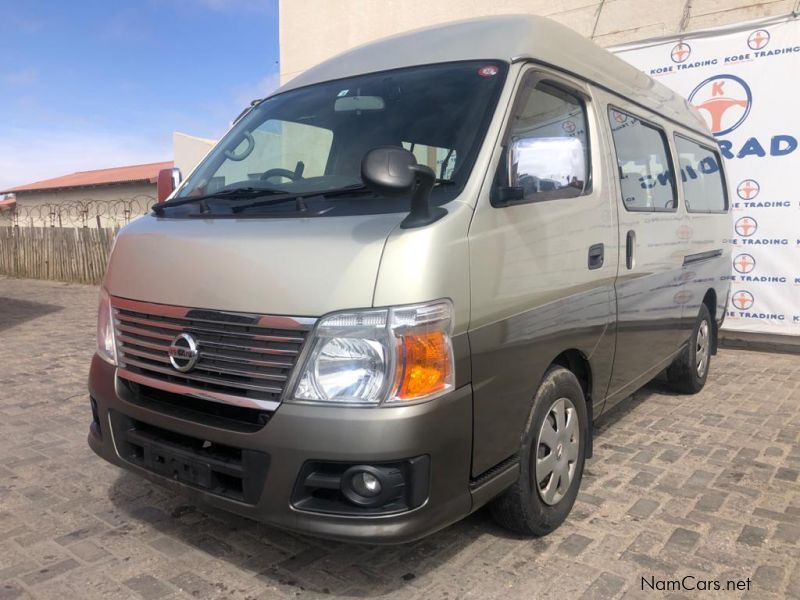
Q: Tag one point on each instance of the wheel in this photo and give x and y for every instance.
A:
(551, 459)
(688, 372)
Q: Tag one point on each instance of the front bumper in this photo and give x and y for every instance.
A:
(441, 429)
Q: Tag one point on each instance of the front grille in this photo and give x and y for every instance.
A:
(187, 408)
(243, 359)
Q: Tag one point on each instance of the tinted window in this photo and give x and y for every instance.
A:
(645, 171)
(701, 177)
(548, 144)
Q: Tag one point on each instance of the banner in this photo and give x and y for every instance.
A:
(745, 81)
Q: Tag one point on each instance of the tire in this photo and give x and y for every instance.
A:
(688, 372)
(536, 508)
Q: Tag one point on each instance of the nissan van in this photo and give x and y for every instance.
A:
(407, 283)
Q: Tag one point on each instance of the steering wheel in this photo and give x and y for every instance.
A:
(278, 172)
(251, 143)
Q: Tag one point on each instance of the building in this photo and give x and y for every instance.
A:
(107, 197)
(103, 197)
(338, 26)
(100, 185)
(8, 203)
(189, 150)
(114, 183)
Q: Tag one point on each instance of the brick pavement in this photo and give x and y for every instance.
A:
(706, 486)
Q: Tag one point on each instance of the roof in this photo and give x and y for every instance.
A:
(130, 174)
(507, 37)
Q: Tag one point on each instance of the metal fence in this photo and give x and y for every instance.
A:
(68, 241)
(79, 213)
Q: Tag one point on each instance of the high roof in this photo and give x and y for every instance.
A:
(505, 37)
(146, 173)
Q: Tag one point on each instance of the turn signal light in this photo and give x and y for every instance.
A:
(425, 365)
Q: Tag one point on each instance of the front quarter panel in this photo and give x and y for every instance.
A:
(429, 263)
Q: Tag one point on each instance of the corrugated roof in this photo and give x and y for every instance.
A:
(132, 173)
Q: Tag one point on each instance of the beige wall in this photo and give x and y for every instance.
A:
(189, 150)
(313, 30)
(115, 204)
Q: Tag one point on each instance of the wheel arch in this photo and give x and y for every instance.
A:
(578, 364)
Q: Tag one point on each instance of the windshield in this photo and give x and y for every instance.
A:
(313, 139)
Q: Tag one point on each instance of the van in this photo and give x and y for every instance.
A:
(407, 283)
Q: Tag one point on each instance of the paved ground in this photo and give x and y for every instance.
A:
(704, 486)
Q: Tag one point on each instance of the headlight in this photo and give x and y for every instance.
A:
(391, 355)
(106, 344)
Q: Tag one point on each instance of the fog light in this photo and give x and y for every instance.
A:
(366, 484)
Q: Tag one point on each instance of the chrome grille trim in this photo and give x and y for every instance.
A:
(199, 378)
(143, 332)
(130, 318)
(244, 359)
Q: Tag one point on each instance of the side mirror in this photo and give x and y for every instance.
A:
(393, 171)
(168, 180)
(388, 170)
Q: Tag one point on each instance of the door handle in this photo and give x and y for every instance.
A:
(630, 241)
(596, 256)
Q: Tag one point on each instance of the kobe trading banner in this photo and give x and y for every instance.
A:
(745, 81)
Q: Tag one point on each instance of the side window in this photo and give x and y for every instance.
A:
(547, 155)
(701, 177)
(645, 170)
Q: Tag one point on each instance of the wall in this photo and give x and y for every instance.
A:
(313, 30)
(100, 193)
(115, 205)
(189, 150)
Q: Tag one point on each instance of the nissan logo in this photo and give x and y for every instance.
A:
(183, 352)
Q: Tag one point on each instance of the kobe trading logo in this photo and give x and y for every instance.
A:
(743, 300)
(724, 100)
(758, 39)
(744, 263)
(746, 226)
(680, 52)
(748, 189)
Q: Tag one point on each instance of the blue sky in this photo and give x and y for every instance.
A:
(87, 84)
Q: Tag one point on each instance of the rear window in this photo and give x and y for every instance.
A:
(701, 177)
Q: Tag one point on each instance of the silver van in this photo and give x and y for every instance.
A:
(407, 283)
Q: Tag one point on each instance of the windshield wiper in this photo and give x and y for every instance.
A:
(240, 193)
(344, 191)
